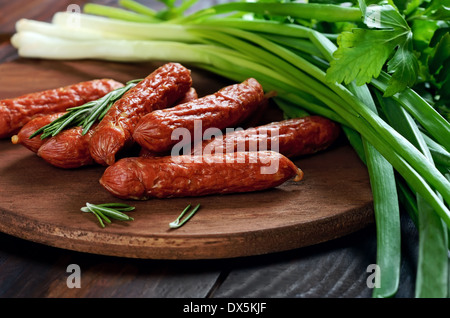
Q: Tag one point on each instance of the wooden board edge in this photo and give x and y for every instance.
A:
(164, 247)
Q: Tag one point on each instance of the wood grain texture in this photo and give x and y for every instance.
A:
(334, 198)
(333, 269)
(28, 270)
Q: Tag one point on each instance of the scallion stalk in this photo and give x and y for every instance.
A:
(432, 270)
(118, 13)
(321, 12)
(137, 7)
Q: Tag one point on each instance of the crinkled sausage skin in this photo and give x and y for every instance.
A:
(161, 89)
(68, 150)
(142, 178)
(228, 107)
(189, 96)
(16, 112)
(23, 136)
(292, 137)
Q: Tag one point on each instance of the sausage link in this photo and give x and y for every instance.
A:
(161, 89)
(142, 178)
(68, 150)
(188, 97)
(23, 136)
(228, 107)
(16, 112)
(292, 138)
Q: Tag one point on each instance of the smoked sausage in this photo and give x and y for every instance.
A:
(292, 138)
(16, 112)
(161, 89)
(228, 107)
(24, 134)
(189, 96)
(141, 178)
(68, 150)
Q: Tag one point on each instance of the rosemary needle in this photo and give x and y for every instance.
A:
(85, 115)
(107, 211)
(176, 224)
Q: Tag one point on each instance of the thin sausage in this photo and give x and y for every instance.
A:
(161, 89)
(24, 134)
(292, 137)
(188, 97)
(228, 107)
(16, 112)
(68, 150)
(142, 178)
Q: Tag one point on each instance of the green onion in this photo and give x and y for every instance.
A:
(118, 13)
(432, 270)
(386, 208)
(138, 8)
(322, 12)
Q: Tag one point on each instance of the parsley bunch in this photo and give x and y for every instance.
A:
(410, 40)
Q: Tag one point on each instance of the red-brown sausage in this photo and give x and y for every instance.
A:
(161, 89)
(68, 150)
(291, 137)
(228, 107)
(23, 136)
(16, 112)
(188, 97)
(187, 176)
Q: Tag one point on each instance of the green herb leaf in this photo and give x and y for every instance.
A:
(404, 67)
(106, 211)
(363, 53)
(85, 115)
(178, 223)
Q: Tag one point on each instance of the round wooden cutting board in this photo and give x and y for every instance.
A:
(42, 203)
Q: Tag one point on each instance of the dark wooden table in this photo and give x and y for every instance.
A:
(335, 269)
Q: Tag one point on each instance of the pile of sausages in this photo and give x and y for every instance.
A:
(152, 115)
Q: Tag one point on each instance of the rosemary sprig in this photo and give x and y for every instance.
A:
(107, 211)
(176, 224)
(85, 115)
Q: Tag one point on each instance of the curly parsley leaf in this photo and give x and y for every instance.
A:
(362, 53)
